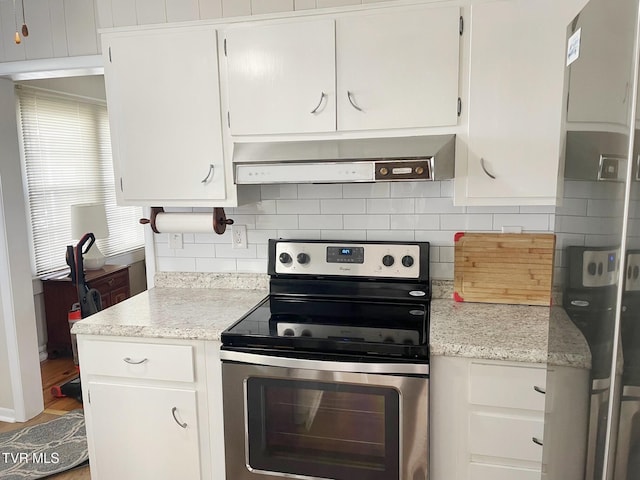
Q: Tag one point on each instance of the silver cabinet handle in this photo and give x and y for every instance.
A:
(322, 97)
(206, 179)
(352, 101)
(536, 441)
(539, 390)
(133, 362)
(484, 169)
(173, 412)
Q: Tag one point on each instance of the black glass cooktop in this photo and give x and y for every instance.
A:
(329, 325)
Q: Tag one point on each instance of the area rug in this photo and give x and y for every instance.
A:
(44, 449)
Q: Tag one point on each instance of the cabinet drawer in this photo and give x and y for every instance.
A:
(112, 282)
(507, 386)
(506, 437)
(138, 360)
(479, 471)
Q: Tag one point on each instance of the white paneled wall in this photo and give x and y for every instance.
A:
(119, 13)
(57, 28)
(413, 211)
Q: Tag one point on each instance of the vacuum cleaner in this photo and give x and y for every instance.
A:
(89, 302)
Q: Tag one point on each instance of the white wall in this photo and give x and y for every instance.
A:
(6, 392)
(413, 211)
(18, 315)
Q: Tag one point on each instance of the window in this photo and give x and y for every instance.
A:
(67, 160)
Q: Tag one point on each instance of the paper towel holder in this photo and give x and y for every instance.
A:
(220, 220)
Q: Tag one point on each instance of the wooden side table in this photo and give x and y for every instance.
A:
(112, 281)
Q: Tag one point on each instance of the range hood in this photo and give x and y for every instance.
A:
(345, 160)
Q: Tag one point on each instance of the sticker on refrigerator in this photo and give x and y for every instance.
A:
(573, 47)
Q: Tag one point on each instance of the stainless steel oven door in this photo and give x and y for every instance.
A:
(307, 419)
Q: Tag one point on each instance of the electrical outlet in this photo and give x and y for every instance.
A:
(175, 240)
(238, 236)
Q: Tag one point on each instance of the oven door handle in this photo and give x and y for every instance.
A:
(322, 365)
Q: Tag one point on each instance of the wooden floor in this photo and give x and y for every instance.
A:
(54, 372)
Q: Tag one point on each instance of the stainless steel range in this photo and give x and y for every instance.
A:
(328, 376)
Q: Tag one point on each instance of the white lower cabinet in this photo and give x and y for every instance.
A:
(148, 432)
(478, 471)
(567, 421)
(487, 419)
(146, 408)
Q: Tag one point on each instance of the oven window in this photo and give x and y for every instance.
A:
(330, 430)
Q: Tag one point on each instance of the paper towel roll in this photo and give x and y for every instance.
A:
(184, 222)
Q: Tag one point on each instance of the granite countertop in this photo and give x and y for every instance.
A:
(166, 312)
(515, 333)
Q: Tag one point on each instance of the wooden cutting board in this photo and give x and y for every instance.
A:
(513, 268)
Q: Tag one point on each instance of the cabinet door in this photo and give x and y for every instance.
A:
(164, 110)
(135, 432)
(602, 65)
(515, 97)
(281, 77)
(398, 69)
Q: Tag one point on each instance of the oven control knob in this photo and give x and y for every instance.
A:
(305, 333)
(591, 268)
(407, 261)
(388, 340)
(303, 258)
(388, 260)
(285, 258)
(288, 332)
(408, 341)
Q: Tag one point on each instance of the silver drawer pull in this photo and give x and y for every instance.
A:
(133, 362)
(353, 102)
(173, 412)
(206, 179)
(536, 441)
(484, 169)
(539, 390)
(322, 97)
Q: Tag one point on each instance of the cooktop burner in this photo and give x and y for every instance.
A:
(363, 298)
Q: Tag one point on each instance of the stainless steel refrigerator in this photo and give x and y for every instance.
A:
(597, 267)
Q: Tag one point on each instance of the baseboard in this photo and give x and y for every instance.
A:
(42, 352)
(7, 415)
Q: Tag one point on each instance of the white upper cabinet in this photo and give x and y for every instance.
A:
(398, 69)
(516, 79)
(599, 67)
(281, 77)
(363, 71)
(164, 112)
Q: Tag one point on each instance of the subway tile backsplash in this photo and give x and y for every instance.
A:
(407, 211)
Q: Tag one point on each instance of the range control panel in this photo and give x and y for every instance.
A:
(390, 260)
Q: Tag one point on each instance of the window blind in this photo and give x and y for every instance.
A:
(67, 160)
